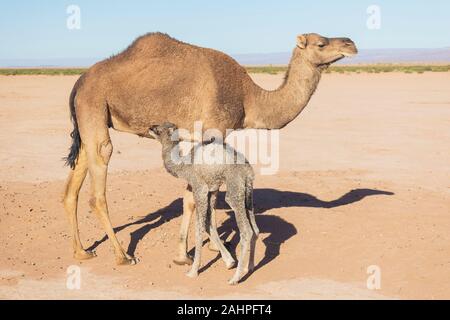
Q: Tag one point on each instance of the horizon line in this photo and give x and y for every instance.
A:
(231, 54)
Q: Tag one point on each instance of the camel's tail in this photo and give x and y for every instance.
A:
(71, 159)
(249, 204)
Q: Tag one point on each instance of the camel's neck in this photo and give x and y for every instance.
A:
(275, 109)
(175, 168)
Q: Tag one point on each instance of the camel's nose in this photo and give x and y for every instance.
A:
(348, 42)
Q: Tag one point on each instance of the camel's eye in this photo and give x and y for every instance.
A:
(321, 44)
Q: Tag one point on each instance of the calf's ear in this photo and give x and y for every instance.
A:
(154, 130)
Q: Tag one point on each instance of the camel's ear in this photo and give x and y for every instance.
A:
(302, 41)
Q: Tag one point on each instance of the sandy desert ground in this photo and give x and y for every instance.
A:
(364, 180)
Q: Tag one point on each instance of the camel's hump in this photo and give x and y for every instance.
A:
(155, 39)
(158, 43)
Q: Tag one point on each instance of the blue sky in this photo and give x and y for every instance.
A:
(37, 29)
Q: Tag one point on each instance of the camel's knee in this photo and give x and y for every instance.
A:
(233, 196)
(92, 203)
(105, 151)
(182, 238)
(246, 234)
(97, 203)
(233, 200)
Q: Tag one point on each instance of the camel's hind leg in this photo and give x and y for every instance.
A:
(73, 186)
(236, 200)
(214, 245)
(214, 236)
(92, 119)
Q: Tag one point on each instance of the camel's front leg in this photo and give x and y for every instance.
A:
(201, 203)
(182, 257)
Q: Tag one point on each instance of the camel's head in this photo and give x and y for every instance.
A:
(322, 51)
(162, 132)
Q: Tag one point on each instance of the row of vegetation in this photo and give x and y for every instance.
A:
(376, 68)
(42, 71)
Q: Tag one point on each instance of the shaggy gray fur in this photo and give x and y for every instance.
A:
(223, 165)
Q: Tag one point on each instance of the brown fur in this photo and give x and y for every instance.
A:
(159, 79)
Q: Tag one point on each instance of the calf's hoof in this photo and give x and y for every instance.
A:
(230, 264)
(192, 274)
(237, 277)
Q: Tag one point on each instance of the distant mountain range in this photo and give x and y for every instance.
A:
(365, 56)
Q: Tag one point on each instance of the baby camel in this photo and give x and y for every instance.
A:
(205, 176)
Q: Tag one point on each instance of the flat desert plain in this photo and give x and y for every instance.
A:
(363, 183)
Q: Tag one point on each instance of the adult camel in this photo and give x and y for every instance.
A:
(159, 79)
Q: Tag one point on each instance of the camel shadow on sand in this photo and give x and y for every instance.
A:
(278, 229)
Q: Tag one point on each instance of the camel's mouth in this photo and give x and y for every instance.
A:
(349, 50)
(349, 54)
(340, 56)
(343, 55)
(336, 59)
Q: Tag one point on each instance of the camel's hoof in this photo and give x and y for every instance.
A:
(84, 255)
(192, 274)
(230, 264)
(212, 247)
(236, 278)
(181, 261)
(126, 261)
